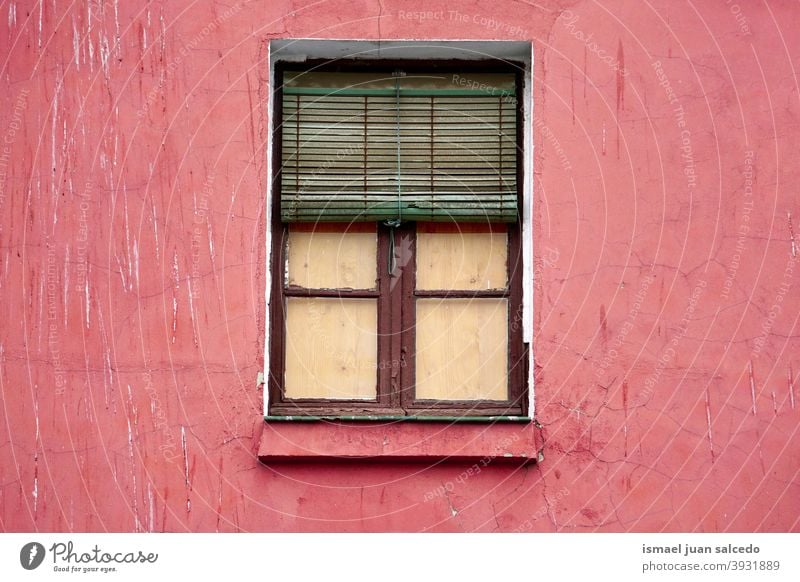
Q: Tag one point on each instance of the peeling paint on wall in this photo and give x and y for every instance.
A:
(132, 271)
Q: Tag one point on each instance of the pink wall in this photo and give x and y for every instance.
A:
(132, 173)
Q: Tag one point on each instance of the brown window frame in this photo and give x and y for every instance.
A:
(397, 303)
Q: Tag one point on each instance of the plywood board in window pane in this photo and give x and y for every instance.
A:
(331, 348)
(461, 260)
(462, 349)
(332, 260)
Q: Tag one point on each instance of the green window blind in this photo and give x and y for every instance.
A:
(378, 148)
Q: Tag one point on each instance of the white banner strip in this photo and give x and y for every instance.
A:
(400, 557)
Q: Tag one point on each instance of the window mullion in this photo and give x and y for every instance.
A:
(385, 322)
(407, 267)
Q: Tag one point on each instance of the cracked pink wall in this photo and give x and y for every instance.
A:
(132, 176)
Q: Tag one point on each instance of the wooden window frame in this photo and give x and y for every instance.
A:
(395, 382)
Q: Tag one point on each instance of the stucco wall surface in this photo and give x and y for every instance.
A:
(132, 270)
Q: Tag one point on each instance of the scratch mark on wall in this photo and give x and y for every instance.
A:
(127, 236)
(760, 453)
(176, 285)
(121, 270)
(65, 283)
(136, 262)
(620, 86)
(174, 318)
(37, 444)
(86, 296)
(219, 495)
(41, 15)
(89, 36)
(604, 139)
(192, 315)
(708, 424)
(40, 314)
(136, 524)
(117, 42)
(132, 413)
(53, 163)
(76, 44)
(453, 510)
(572, 93)
(108, 372)
(187, 480)
(12, 14)
(150, 508)
(154, 221)
(625, 411)
(105, 53)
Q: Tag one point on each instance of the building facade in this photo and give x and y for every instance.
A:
(658, 212)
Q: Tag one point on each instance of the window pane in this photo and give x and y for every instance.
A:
(325, 259)
(461, 260)
(331, 348)
(462, 349)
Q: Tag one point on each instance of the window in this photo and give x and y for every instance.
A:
(396, 237)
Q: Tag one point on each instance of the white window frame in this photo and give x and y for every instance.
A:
(301, 49)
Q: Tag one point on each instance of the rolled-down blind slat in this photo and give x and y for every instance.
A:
(457, 157)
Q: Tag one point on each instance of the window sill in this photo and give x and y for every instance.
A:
(391, 418)
(498, 440)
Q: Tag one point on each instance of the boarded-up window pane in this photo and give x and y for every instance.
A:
(462, 349)
(461, 260)
(331, 348)
(323, 259)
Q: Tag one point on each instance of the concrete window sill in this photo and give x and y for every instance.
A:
(411, 440)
